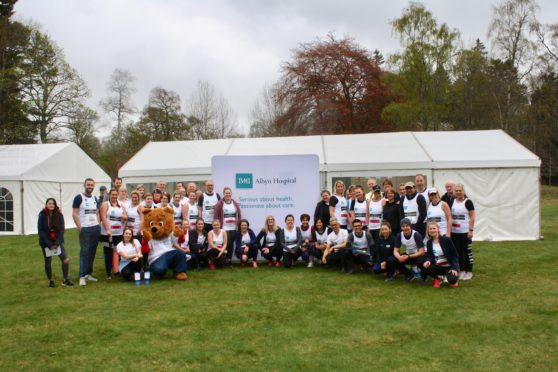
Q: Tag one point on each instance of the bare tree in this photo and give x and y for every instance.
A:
(119, 101)
(265, 112)
(510, 29)
(210, 114)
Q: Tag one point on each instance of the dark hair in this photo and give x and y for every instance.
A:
(243, 220)
(287, 216)
(56, 219)
(131, 231)
(88, 179)
(388, 181)
(320, 219)
(304, 216)
(357, 221)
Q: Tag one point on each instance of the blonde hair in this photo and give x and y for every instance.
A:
(266, 229)
(432, 222)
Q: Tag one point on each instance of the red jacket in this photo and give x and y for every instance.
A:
(219, 215)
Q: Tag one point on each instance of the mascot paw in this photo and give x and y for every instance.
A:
(181, 276)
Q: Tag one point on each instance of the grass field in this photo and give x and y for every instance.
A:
(506, 318)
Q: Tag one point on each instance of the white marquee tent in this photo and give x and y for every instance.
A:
(500, 175)
(29, 174)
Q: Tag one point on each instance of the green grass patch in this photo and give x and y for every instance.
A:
(278, 319)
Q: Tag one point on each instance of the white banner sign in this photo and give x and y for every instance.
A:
(270, 185)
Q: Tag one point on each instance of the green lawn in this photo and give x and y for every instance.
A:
(506, 318)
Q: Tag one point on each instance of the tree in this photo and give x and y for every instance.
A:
(422, 71)
(548, 38)
(210, 114)
(15, 126)
(81, 126)
(264, 114)
(52, 89)
(511, 25)
(162, 119)
(331, 86)
(472, 104)
(119, 101)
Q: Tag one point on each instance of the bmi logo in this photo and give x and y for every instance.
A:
(244, 181)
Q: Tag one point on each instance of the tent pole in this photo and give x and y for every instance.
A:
(21, 209)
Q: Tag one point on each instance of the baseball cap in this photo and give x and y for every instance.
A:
(409, 184)
(432, 191)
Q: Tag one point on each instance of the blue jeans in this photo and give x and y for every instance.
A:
(390, 267)
(175, 260)
(88, 241)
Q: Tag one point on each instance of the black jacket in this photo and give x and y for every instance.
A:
(43, 228)
(322, 211)
(263, 235)
(449, 251)
(195, 247)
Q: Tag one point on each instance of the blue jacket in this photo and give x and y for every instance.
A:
(238, 240)
(449, 251)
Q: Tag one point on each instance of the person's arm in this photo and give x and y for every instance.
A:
(60, 232)
(371, 245)
(185, 209)
(298, 238)
(469, 205)
(224, 249)
(420, 245)
(332, 203)
(42, 229)
(451, 254)
(137, 245)
(75, 211)
(422, 207)
(124, 215)
(200, 205)
(447, 212)
(396, 248)
(218, 212)
(210, 240)
(238, 213)
(104, 220)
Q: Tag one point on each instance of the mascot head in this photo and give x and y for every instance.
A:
(158, 223)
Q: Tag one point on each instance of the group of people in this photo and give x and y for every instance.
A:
(413, 232)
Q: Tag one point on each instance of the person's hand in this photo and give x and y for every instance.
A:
(187, 250)
(135, 259)
(426, 265)
(246, 249)
(470, 235)
(383, 265)
(265, 251)
(109, 233)
(453, 272)
(324, 260)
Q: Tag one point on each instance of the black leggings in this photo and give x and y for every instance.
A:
(129, 270)
(212, 254)
(109, 249)
(48, 260)
(464, 247)
(276, 253)
(435, 270)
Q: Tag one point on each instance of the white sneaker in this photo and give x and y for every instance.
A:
(82, 281)
(310, 264)
(462, 275)
(468, 276)
(89, 278)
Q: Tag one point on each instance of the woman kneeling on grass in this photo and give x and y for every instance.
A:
(218, 245)
(51, 238)
(291, 239)
(383, 258)
(246, 244)
(441, 257)
(129, 250)
(198, 244)
(269, 243)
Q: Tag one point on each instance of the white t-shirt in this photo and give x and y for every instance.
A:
(335, 239)
(128, 249)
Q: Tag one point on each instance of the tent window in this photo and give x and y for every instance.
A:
(6, 210)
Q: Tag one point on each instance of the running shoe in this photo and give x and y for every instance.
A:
(255, 265)
(67, 283)
(82, 281)
(90, 278)
(277, 264)
(437, 283)
(51, 284)
(211, 265)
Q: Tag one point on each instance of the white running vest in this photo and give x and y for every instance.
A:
(360, 211)
(114, 217)
(88, 211)
(410, 209)
(270, 239)
(208, 208)
(360, 244)
(439, 255)
(409, 244)
(306, 234)
(375, 210)
(460, 216)
(290, 238)
(229, 216)
(177, 214)
(192, 215)
(436, 213)
(219, 240)
(321, 238)
(340, 210)
(133, 221)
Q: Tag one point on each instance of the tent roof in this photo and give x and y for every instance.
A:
(351, 152)
(56, 162)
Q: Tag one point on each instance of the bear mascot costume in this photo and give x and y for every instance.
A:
(161, 236)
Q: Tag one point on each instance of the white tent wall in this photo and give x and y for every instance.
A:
(69, 191)
(14, 187)
(506, 200)
(35, 193)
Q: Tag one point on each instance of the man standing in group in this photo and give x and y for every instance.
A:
(162, 185)
(86, 217)
(370, 185)
(420, 183)
(414, 208)
(206, 205)
(115, 185)
(448, 196)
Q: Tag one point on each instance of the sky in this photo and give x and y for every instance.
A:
(238, 46)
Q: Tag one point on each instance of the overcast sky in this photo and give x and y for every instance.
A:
(236, 45)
